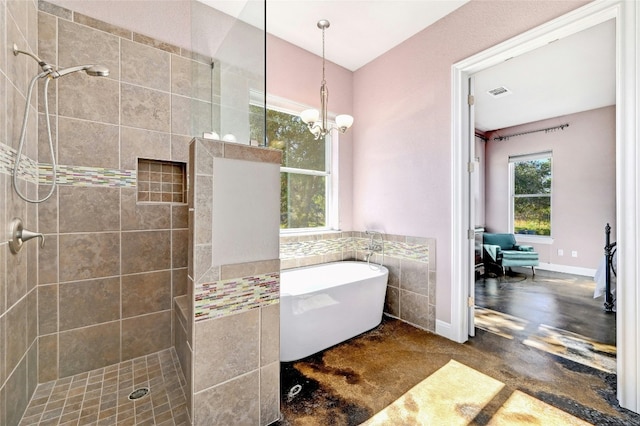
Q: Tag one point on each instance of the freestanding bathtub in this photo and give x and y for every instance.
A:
(326, 304)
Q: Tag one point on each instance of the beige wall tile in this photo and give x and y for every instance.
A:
(88, 143)
(392, 302)
(16, 277)
(414, 308)
(32, 317)
(3, 335)
(32, 369)
(16, 334)
(48, 358)
(179, 248)
(144, 65)
(180, 148)
(86, 209)
(140, 143)
(47, 36)
(191, 78)
(179, 216)
(84, 303)
(270, 393)
(88, 98)
(48, 309)
(239, 270)
(16, 393)
(244, 152)
(232, 342)
(234, 402)
(88, 348)
(270, 334)
(145, 108)
(393, 265)
(146, 293)
(48, 215)
(146, 334)
(414, 277)
(144, 251)
(80, 45)
(140, 216)
(179, 281)
(90, 255)
(189, 116)
(48, 260)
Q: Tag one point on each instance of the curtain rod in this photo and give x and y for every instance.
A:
(547, 130)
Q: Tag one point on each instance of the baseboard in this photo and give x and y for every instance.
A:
(575, 270)
(444, 329)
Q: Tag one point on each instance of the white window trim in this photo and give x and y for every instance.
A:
(286, 106)
(540, 239)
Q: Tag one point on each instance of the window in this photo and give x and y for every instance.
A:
(305, 170)
(531, 193)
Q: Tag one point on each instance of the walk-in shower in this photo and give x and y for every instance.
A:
(49, 72)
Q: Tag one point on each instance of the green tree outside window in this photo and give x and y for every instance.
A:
(532, 196)
(304, 169)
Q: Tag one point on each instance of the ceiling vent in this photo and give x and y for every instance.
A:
(499, 92)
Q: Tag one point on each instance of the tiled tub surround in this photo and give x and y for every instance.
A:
(410, 260)
(231, 315)
(112, 265)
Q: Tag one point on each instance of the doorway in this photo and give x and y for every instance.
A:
(627, 16)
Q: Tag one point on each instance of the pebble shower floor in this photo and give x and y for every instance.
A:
(101, 397)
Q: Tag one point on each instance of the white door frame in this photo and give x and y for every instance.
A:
(627, 15)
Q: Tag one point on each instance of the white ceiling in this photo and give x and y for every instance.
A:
(570, 75)
(360, 31)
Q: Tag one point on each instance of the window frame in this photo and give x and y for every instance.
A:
(513, 160)
(331, 140)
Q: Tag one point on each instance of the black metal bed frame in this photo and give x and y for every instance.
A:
(609, 252)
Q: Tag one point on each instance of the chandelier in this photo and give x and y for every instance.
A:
(316, 120)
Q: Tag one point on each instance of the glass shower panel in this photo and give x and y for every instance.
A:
(235, 39)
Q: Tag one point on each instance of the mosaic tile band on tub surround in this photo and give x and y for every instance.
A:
(328, 244)
(225, 297)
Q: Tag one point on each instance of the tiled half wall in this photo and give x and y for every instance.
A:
(228, 340)
(411, 290)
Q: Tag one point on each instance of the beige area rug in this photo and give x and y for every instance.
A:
(453, 395)
(522, 409)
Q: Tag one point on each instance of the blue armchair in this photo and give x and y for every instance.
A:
(501, 250)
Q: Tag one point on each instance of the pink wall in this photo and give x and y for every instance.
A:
(584, 182)
(295, 75)
(402, 139)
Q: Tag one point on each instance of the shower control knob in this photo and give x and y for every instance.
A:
(19, 235)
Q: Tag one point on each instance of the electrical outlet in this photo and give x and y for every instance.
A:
(574, 253)
(560, 252)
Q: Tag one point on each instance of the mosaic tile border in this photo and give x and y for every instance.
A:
(396, 249)
(28, 168)
(33, 172)
(224, 297)
(87, 176)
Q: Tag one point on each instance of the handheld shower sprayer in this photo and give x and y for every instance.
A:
(47, 71)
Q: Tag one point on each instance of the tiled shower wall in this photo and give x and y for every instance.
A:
(112, 261)
(411, 289)
(18, 273)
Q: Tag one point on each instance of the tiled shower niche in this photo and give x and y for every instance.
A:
(162, 181)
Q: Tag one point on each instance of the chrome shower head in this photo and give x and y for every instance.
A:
(92, 70)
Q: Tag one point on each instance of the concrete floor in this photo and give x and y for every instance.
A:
(351, 382)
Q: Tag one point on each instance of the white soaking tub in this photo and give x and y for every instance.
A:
(326, 304)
